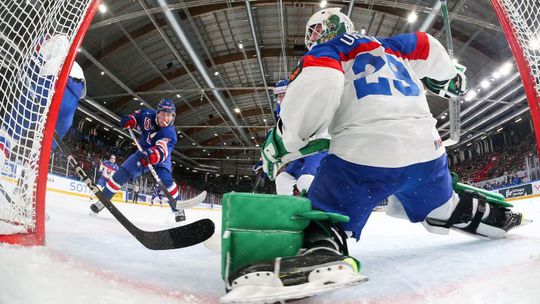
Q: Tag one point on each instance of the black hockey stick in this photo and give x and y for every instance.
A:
(177, 237)
(172, 202)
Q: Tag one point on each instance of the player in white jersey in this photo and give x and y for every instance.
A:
(368, 92)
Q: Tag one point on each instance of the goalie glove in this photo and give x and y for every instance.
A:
(452, 88)
(273, 150)
(275, 155)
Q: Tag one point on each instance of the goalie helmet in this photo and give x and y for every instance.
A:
(166, 105)
(326, 25)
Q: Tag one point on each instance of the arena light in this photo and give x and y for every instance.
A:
(89, 119)
(363, 31)
(264, 119)
(216, 73)
(252, 137)
(215, 134)
(240, 45)
(412, 17)
(506, 69)
(518, 120)
(323, 4)
(237, 110)
(500, 129)
(485, 84)
(102, 8)
(471, 95)
(142, 103)
(178, 95)
(257, 145)
(496, 75)
(483, 137)
(102, 73)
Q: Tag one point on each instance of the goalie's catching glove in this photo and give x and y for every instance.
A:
(452, 88)
(274, 154)
(273, 150)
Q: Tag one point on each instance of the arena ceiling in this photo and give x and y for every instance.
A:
(219, 59)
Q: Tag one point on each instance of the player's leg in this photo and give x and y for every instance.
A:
(70, 101)
(351, 189)
(129, 170)
(166, 177)
(426, 194)
(308, 171)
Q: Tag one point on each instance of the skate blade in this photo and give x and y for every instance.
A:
(271, 294)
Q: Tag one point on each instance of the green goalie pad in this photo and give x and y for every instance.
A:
(258, 227)
(492, 197)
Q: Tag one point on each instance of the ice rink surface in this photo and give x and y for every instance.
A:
(95, 260)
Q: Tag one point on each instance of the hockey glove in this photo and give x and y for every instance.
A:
(452, 88)
(272, 150)
(128, 122)
(149, 156)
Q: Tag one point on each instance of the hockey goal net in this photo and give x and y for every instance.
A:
(520, 20)
(38, 44)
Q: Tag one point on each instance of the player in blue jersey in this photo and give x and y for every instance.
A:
(158, 137)
(157, 196)
(368, 92)
(301, 172)
(38, 81)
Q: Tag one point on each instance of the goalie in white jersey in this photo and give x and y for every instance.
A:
(368, 93)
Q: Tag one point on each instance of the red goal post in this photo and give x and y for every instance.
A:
(29, 103)
(520, 21)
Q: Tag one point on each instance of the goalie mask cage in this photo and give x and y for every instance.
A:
(520, 21)
(39, 40)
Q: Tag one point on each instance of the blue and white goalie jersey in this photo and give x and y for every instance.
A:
(367, 92)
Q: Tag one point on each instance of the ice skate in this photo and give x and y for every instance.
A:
(292, 278)
(179, 216)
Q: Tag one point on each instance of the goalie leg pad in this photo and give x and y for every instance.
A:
(473, 214)
(275, 247)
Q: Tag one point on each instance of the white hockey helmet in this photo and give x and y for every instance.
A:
(325, 25)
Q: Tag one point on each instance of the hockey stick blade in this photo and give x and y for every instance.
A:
(192, 202)
(173, 238)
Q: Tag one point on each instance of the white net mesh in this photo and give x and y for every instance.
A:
(524, 16)
(35, 37)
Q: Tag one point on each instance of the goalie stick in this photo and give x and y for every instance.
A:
(173, 238)
(454, 106)
(172, 202)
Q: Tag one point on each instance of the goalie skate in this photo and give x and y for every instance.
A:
(282, 281)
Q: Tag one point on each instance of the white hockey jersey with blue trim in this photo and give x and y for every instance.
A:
(367, 92)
